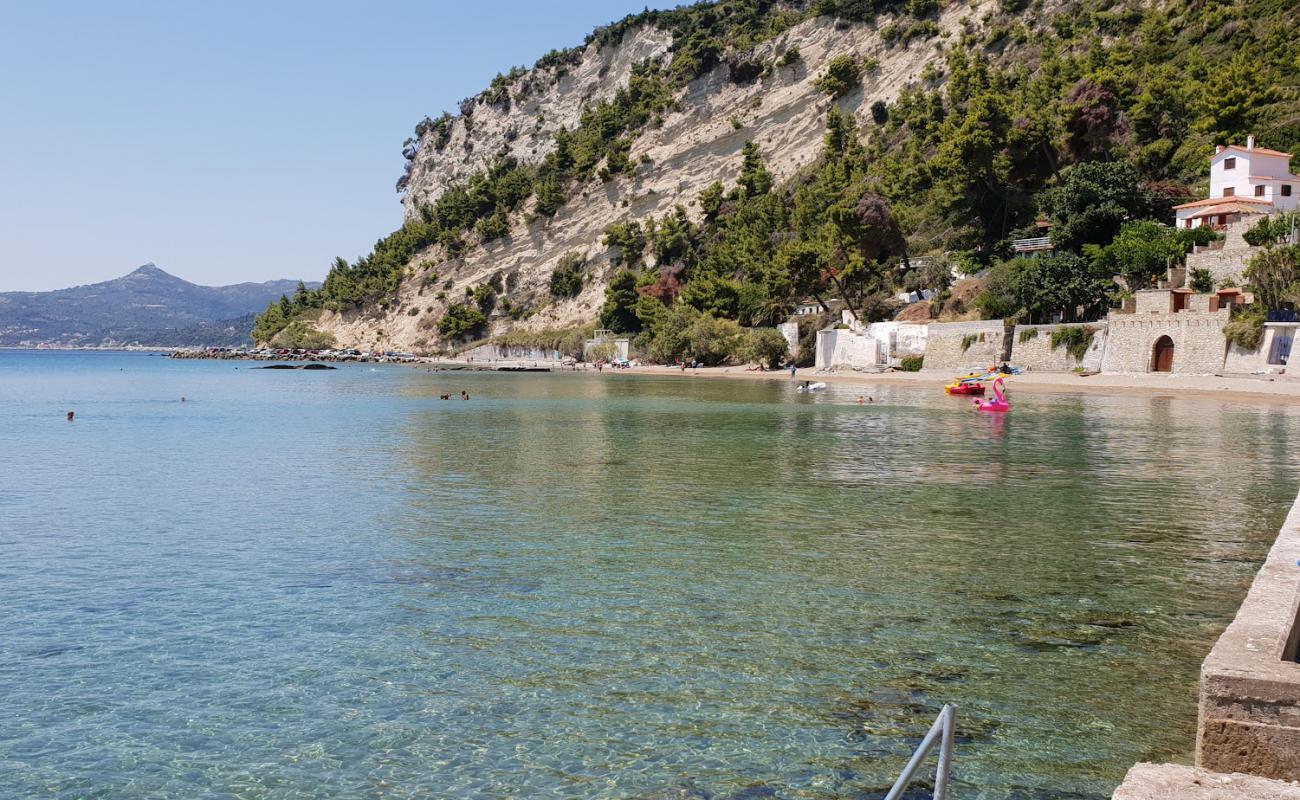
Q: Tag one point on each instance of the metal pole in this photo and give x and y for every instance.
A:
(949, 717)
(942, 732)
(922, 750)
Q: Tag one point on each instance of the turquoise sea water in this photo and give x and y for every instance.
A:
(333, 584)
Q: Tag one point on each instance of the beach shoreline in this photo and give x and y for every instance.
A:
(1261, 388)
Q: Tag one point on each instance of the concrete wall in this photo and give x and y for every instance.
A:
(841, 348)
(900, 339)
(496, 352)
(1199, 345)
(943, 347)
(1250, 683)
(790, 330)
(1262, 358)
(1035, 353)
(622, 347)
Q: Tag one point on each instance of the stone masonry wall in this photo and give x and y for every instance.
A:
(1031, 349)
(1199, 344)
(943, 347)
(1228, 263)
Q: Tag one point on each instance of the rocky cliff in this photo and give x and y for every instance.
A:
(696, 142)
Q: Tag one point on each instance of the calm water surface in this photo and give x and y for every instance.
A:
(333, 584)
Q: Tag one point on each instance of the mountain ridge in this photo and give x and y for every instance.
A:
(607, 185)
(147, 307)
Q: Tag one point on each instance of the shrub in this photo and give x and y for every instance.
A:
(843, 74)
(763, 346)
(1269, 230)
(493, 227)
(302, 334)
(671, 338)
(1027, 334)
(414, 312)
(629, 238)
(1246, 329)
(879, 112)
(967, 341)
(1202, 281)
(712, 341)
(460, 321)
(912, 363)
(566, 280)
(1076, 339)
(790, 58)
(485, 297)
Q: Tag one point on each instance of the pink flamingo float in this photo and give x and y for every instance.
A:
(997, 405)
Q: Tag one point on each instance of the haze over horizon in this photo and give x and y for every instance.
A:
(234, 143)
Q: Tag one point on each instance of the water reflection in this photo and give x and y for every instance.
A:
(753, 585)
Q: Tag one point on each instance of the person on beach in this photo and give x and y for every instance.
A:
(793, 368)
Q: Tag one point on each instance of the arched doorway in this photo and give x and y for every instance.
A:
(1162, 355)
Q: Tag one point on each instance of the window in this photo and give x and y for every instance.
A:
(1286, 190)
(1259, 190)
(1229, 163)
(1229, 192)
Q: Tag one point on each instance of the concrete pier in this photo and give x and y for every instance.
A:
(1248, 732)
(1250, 682)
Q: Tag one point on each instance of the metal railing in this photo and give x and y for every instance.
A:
(1029, 245)
(941, 733)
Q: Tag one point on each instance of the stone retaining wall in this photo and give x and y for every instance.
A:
(1031, 349)
(986, 344)
(1250, 682)
(1199, 344)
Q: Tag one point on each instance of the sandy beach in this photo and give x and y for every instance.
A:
(1254, 388)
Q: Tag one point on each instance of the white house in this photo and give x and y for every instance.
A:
(1243, 181)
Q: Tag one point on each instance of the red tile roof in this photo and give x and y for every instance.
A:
(1236, 207)
(1263, 151)
(1210, 201)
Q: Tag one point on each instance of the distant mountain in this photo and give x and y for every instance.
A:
(146, 307)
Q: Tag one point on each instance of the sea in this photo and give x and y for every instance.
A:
(221, 581)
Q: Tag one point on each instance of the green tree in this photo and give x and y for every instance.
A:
(619, 314)
(566, 278)
(461, 321)
(1141, 253)
(764, 346)
(1095, 200)
(843, 74)
(755, 180)
(1274, 276)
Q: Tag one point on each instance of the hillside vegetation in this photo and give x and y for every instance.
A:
(1098, 115)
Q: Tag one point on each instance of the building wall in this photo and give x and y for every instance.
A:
(943, 346)
(1263, 358)
(1249, 164)
(790, 330)
(1199, 344)
(900, 339)
(841, 348)
(496, 352)
(1035, 352)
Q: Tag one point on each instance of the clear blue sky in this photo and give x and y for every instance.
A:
(237, 140)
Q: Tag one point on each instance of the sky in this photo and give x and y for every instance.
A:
(233, 141)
